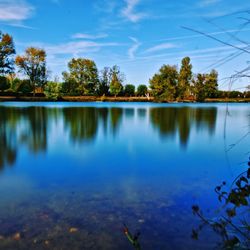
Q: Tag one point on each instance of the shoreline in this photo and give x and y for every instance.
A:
(114, 99)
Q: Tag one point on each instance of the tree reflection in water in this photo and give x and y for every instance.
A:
(172, 121)
(30, 126)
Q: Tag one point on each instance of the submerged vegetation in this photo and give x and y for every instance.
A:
(84, 79)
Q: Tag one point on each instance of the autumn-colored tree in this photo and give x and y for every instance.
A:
(7, 50)
(184, 79)
(83, 74)
(33, 64)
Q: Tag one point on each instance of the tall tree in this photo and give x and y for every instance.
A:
(164, 83)
(116, 81)
(184, 79)
(33, 64)
(7, 50)
(84, 74)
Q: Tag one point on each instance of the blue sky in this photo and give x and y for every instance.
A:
(137, 35)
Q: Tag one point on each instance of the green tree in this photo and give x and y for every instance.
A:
(33, 64)
(184, 78)
(52, 90)
(129, 90)
(199, 87)
(211, 84)
(164, 83)
(4, 83)
(104, 81)
(83, 75)
(7, 50)
(116, 81)
(142, 90)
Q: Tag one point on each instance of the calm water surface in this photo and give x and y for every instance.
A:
(96, 166)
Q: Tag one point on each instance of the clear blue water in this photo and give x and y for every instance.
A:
(95, 166)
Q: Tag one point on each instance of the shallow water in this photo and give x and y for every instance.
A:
(95, 166)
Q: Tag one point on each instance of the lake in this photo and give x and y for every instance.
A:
(71, 174)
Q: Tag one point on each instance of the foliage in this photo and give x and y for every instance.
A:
(235, 94)
(7, 50)
(70, 87)
(116, 81)
(83, 76)
(52, 90)
(104, 81)
(233, 225)
(129, 90)
(22, 86)
(164, 83)
(4, 83)
(199, 87)
(33, 64)
(184, 79)
(142, 90)
(211, 84)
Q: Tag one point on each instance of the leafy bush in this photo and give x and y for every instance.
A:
(52, 90)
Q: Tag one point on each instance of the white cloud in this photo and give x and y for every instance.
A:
(132, 50)
(130, 13)
(88, 36)
(15, 10)
(161, 46)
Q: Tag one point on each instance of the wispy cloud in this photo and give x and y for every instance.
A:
(205, 3)
(132, 50)
(162, 46)
(80, 47)
(130, 13)
(88, 36)
(15, 11)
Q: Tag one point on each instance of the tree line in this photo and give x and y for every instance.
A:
(84, 79)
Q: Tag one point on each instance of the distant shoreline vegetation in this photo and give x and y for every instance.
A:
(84, 82)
